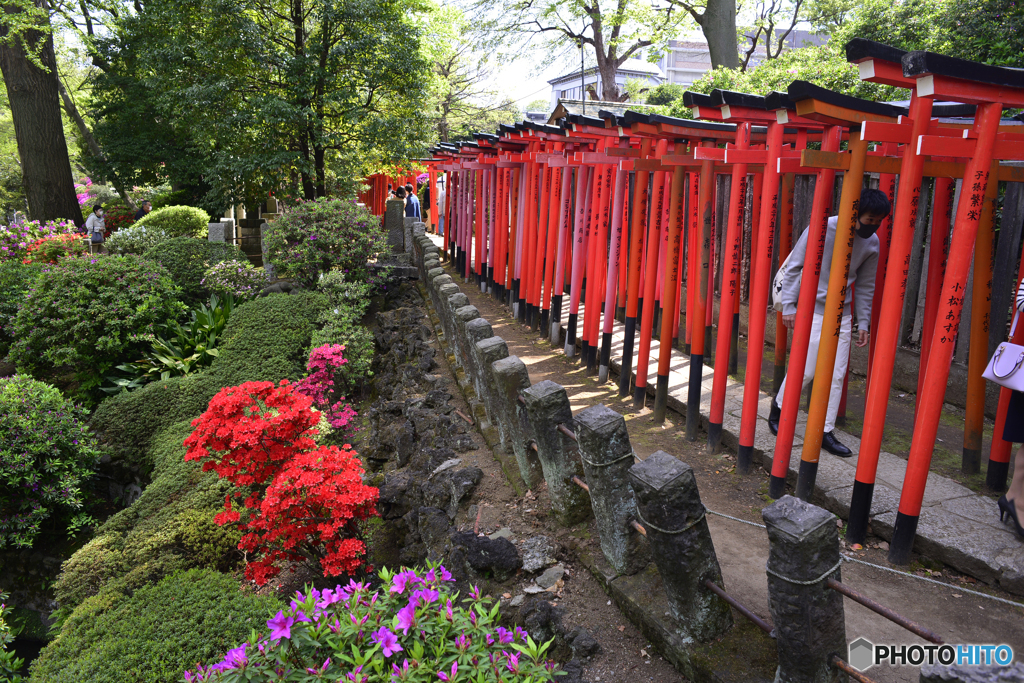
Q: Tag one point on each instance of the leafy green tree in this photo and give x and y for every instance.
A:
(666, 93)
(615, 32)
(459, 102)
(256, 95)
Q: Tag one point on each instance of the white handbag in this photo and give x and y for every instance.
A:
(1005, 366)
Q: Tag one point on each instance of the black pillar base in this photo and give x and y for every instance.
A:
(639, 396)
(903, 533)
(995, 478)
(661, 399)
(744, 459)
(805, 480)
(714, 437)
(544, 321)
(971, 463)
(860, 511)
(693, 396)
(776, 487)
(570, 334)
(627, 356)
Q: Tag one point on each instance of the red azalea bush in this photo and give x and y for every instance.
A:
(117, 215)
(51, 248)
(301, 501)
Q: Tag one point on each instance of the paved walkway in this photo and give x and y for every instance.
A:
(957, 526)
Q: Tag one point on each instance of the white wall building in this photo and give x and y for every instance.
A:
(569, 87)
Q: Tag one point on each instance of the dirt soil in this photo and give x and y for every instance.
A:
(742, 549)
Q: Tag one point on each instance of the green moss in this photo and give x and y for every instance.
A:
(170, 527)
(155, 633)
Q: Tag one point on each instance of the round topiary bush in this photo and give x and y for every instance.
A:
(314, 237)
(187, 260)
(90, 314)
(178, 221)
(45, 454)
(154, 635)
(136, 239)
(15, 280)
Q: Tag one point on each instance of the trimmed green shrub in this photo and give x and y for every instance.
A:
(178, 221)
(187, 260)
(265, 340)
(156, 633)
(16, 279)
(341, 324)
(46, 452)
(314, 237)
(241, 280)
(169, 528)
(135, 239)
(90, 314)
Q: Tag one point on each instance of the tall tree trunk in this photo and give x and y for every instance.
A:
(72, 111)
(719, 27)
(35, 110)
(609, 89)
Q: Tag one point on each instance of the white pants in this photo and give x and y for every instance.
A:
(838, 375)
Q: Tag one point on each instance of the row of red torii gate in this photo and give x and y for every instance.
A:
(620, 209)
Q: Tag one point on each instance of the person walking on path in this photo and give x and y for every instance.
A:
(873, 208)
(412, 204)
(1012, 503)
(95, 227)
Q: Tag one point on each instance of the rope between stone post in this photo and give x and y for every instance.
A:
(804, 583)
(605, 464)
(648, 525)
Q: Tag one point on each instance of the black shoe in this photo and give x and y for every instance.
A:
(1007, 507)
(773, 418)
(834, 446)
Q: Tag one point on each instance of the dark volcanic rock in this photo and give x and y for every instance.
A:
(499, 557)
(541, 619)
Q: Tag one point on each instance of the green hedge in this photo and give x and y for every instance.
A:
(265, 340)
(179, 221)
(187, 258)
(16, 279)
(154, 634)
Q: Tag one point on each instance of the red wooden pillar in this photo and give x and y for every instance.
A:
(703, 295)
(804, 317)
(638, 206)
(730, 289)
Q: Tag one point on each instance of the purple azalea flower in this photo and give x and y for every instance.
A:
(448, 610)
(504, 636)
(425, 596)
(513, 661)
(454, 674)
(474, 592)
(521, 634)
(401, 579)
(490, 639)
(280, 626)
(400, 674)
(406, 618)
(357, 672)
(463, 642)
(387, 640)
(445, 574)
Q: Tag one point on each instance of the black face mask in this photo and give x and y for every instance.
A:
(865, 231)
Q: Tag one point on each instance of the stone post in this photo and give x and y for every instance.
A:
(547, 406)
(229, 230)
(487, 352)
(461, 346)
(419, 229)
(267, 265)
(453, 303)
(440, 298)
(434, 286)
(476, 331)
(607, 457)
(511, 379)
(668, 505)
(394, 225)
(215, 232)
(808, 615)
(407, 223)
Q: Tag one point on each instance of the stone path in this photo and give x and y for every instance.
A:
(957, 526)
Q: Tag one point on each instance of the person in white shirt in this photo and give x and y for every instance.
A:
(95, 228)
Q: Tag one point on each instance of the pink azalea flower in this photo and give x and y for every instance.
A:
(504, 636)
